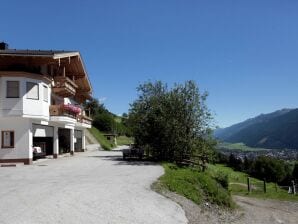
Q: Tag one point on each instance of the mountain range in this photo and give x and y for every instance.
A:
(277, 130)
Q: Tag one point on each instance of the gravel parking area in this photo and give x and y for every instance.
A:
(91, 187)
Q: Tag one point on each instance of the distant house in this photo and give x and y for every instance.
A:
(41, 96)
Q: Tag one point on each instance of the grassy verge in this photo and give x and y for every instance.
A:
(194, 185)
(238, 184)
(105, 144)
(239, 147)
(124, 140)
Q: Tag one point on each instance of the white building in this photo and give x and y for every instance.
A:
(41, 96)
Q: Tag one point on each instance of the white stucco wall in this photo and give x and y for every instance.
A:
(37, 108)
(22, 106)
(10, 106)
(19, 115)
(22, 135)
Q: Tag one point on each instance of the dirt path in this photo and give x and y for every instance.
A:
(253, 187)
(267, 211)
(250, 211)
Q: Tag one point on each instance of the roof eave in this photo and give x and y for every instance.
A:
(65, 55)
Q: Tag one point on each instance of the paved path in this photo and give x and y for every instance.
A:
(93, 147)
(91, 187)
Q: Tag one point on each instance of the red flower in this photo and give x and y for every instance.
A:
(71, 108)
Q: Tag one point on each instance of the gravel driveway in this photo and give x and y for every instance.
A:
(91, 187)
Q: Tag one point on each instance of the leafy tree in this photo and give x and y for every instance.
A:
(272, 169)
(295, 171)
(221, 158)
(104, 122)
(235, 162)
(95, 107)
(171, 123)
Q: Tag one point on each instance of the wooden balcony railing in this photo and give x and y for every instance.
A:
(84, 119)
(63, 86)
(63, 110)
(70, 111)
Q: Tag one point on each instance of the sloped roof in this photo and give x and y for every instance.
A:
(53, 56)
(39, 53)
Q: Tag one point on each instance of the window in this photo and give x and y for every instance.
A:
(32, 91)
(45, 93)
(7, 139)
(13, 89)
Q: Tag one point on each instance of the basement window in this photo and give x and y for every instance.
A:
(7, 139)
(32, 91)
(12, 89)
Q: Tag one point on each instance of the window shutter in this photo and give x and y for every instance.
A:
(13, 89)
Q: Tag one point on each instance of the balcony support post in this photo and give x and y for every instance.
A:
(63, 71)
(83, 139)
(56, 143)
(72, 141)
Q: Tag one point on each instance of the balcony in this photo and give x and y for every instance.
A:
(66, 110)
(64, 86)
(84, 119)
(69, 114)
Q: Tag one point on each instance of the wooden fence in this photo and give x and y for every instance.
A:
(261, 186)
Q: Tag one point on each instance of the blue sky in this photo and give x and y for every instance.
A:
(244, 53)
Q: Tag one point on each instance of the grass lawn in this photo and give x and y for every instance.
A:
(105, 144)
(238, 184)
(194, 185)
(239, 147)
(124, 140)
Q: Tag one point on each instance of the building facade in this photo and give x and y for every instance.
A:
(41, 98)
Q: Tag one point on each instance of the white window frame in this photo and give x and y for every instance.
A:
(34, 84)
(45, 96)
(7, 139)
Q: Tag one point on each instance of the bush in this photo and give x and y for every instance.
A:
(295, 171)
(223, 179)
(214, 191)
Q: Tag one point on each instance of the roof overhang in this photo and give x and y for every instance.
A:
(71, 60)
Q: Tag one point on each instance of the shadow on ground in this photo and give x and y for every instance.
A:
(120, 161)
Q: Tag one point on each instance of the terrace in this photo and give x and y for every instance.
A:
(70, 111)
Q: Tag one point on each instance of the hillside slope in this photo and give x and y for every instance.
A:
(275, 130)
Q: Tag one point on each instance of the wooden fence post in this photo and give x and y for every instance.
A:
(293, 187)
(248, 184)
